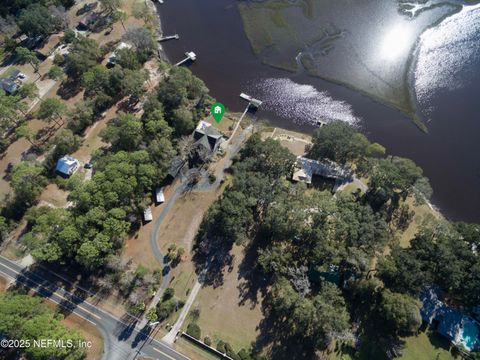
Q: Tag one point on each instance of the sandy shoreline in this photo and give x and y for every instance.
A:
(159, 31)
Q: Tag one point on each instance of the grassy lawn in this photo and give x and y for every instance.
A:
(223, 316)
(181, 223)
(426, 346)
(421, 212)
(183, 279)
(193, 351)
(226, 125)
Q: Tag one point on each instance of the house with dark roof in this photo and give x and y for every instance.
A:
(207, 136)
(175, 166)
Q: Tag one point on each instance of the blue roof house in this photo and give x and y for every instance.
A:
(456, 326)
(67, 165)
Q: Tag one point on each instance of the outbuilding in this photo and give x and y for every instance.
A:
(159, 196)
(147, 215)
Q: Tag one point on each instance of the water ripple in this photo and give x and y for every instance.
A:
(448, 56)
(302, 103)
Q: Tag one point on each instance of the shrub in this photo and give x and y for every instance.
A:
(194, 330)
(221, 346)
(207, 341)
(244, 355)
(152, 315)
(165, 308)
(69, 36)
(141, 271)
(228, 348)
(168, 294)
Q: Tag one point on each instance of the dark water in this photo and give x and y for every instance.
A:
(449, 153)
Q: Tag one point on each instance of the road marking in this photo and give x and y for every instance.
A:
(161, 352)
(56, 302)
(55, 293)
(107, 314)
(8, 267)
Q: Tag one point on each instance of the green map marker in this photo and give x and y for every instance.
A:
(217, 110)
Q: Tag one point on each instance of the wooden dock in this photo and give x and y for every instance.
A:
(190, 56)
(252, 101)
(169, 37)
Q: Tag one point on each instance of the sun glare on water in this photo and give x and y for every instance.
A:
(396, 42)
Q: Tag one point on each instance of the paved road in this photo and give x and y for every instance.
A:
(123, 340)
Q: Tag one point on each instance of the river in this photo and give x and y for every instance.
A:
(445, 80)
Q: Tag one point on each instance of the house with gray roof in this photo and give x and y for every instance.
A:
(306, 168)
(67, 165)
(8, 85)
(207, 136)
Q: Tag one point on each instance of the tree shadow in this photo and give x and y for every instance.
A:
(277, 339)
(251, 281)
(69, 88)
(124, 329)
(142, 335)
(128, 104)
(439, 342)
(211, 262)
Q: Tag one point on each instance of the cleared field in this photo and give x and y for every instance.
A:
(53, 196)
(223, 315)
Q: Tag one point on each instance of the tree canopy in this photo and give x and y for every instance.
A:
(27, 317)
(36, 19)
(340, 142)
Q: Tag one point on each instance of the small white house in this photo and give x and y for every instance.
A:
(147, 215)
(67, 165)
